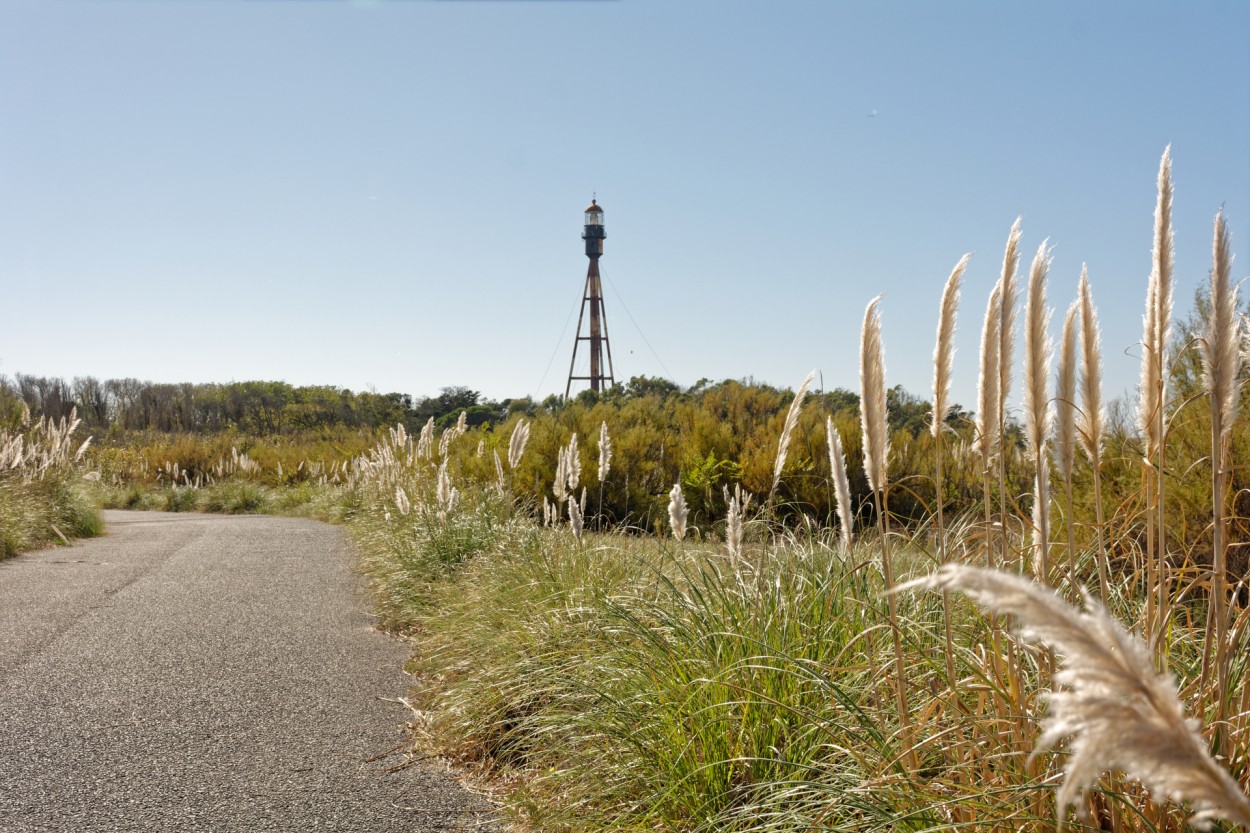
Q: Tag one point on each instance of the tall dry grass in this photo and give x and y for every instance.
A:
(44, 492)
(616, 681)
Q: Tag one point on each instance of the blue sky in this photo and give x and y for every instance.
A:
(389, 194)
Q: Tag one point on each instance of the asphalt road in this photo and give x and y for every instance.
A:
(205, 673)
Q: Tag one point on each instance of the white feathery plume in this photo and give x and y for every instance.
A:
(444, 441)
(1090, 425)
(1065, 396)
(605, 452)
(987, 385)
(575, 519)
(499, 470)
(1120, 713)
(792, 419)
(872, 407)
(1065, 423)
(559, 487)
(1007, 320)
(573, 464)
(944, 350)
(481, 448)
(516, 445)
(401, 500)
(1156, 323)
(1221, 360)
(1091, 415)
(1220, 350)
(733, 528)
(425, 441)
(841, 485)
(443, 486)
(677, 512)
(462, 423)
(1037, 355)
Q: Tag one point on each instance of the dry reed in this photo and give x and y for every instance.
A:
(516, 444)
(841, 484)
(605, 452)
(873, 416)
(987, 382)
(943, 360)
(1065, 425)
(1156, 328)
(1120, 713)
(1037, 419)
(677, 512)
(1006, 354)
(1220, 350)
(787, 429)
(1090, 416)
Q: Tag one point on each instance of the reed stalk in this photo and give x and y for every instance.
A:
(988, 407)
(1037, 417)
(1220, 350)
(677, 512)
(1156, 328)
(1006, 353)
(876, 449)
(841, 484)
(943, 359)
(1065, 427)
(1090, 417)
(787, 429)
(605, 464)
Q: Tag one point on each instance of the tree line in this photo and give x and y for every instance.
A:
(254, 407)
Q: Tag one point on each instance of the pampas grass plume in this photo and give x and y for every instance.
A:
(1065, 395)
(1037, 355)
(733, 527)
(872, 406)
(573, 464)
(677, 512)
(841, 485)
(1220, 349)
(987, 384)
(605, 452)
(516, 445)
(1091, 416)
(1007, 320)
(1157, 319)
(1120, 713)
(787, 429)
(944, 351)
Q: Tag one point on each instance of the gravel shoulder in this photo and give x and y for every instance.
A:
(206, 673)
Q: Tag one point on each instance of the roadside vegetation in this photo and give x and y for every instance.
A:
(736, 608)
(44, 493)
(755, 666)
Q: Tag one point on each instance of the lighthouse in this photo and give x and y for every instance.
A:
(592, 312)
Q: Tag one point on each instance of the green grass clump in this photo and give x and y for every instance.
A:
(623, 684)
(234, 498)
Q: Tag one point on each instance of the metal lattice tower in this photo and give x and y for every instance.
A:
(592, 297)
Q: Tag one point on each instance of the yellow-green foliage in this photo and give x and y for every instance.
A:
(727, 434)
